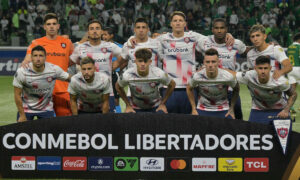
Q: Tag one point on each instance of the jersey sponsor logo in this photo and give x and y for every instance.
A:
(63, 45)
(256, 164)
(55, 54)
(48, 163)
(178, 164)
(230, 164)
(23, 163)
(152, 164)
(74, 163)
(100, 164)
(178, 50)
(204, 164)
(100, 60)
(126, 164)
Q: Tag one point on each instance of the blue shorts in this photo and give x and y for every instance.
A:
(30, 116)
(264, 116)
(179, 102)
(220, 114)
(111, 104)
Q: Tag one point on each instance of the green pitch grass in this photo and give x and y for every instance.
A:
(8, 110)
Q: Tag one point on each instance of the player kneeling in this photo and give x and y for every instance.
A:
(144, 81)
(90, 88)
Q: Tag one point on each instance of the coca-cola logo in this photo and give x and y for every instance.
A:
(78, 163)
(75, 163)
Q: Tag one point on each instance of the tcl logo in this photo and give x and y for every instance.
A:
(75, 163)
(256, 164)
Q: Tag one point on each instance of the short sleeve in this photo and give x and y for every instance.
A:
(75, 55)
(71, 88)
(116, 50)
(124, 53)
(242, 77)
(123, 79)
(61, 74)
(241, 47)
(280, 54)
(165, 79)
(18, 79)
(107, 89)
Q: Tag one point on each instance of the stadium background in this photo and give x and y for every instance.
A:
(21, 22)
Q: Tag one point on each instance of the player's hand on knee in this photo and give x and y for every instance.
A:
(129, 109)
(230, 113)
(283, 114)
(22, 119)
(194, 112)
(162, 107)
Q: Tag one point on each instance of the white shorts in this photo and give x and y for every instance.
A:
(294, 75)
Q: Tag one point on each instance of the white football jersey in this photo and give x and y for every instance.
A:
(90, 95)
(275, 52)
(37, 87)
(179, 55)
(227, 54)
(265, 96)
(144, 90)
(213, 92)
(102, 54)
(128, 53)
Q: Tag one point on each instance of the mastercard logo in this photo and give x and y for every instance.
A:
(178, 164)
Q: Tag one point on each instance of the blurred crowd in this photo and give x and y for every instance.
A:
(24, 18)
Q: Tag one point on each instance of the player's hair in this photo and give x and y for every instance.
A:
(219, 20)
(109, 30)
(141, 20)
(38, 48)
(211, 52)
(297, 37)
(94, 21)
(50, 16)
(262, 60)
(178, 13)
(87, 60)
(256, 28)
(143, 53)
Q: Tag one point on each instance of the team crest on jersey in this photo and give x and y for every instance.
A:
(282, 132)
(34, 85)
(104, 50)
(186, 39)
(280, 49)
(152, 84)
(49, 79)
(63, 45)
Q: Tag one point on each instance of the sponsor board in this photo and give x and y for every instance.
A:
(74, 163)
(204, 164)
(23, 163)
(126, 164)
(256, 164)
(230, 164)
(178, 164)
(152, 164)
(48, 163)
(100, 164)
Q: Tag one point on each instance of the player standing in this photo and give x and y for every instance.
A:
(212, 83)
(280, 63)
(33, 86)
(90, 89)
(227, 54)
(58, 51)
(144, 81)
(101, 52)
